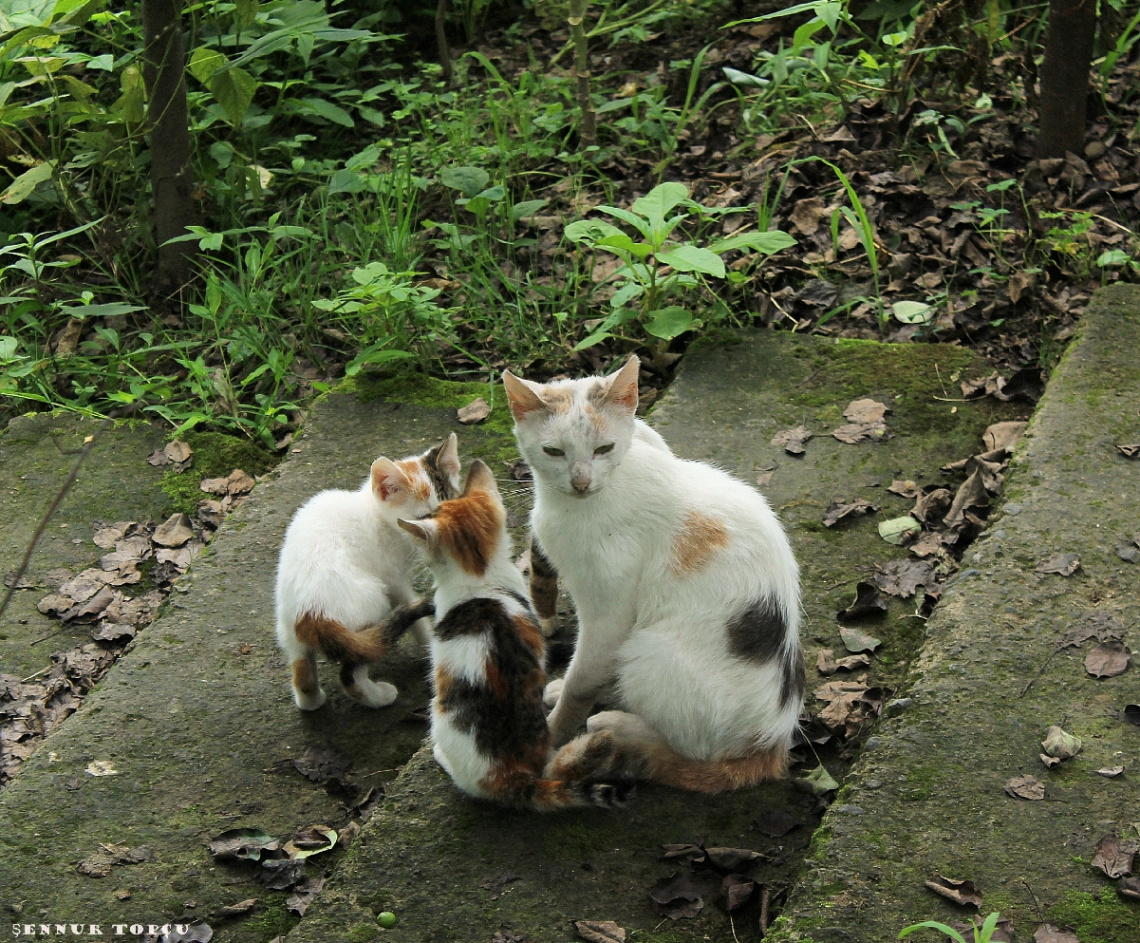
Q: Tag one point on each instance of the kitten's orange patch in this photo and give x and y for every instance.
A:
(700, 538)
(469, 529)
(495, 680)
(443, 684)
(336, 641)
(557, 401)
(528, 633)
(419, 486)
(673, 770)
(304, 680)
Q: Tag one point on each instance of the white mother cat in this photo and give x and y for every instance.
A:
(686, 589)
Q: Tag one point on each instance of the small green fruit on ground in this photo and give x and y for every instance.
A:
(386, 919)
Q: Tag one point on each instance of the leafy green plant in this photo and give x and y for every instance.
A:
(660, 267)
(982, 934)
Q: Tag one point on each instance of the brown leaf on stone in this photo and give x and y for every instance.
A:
(174, 531)
(676, 897)
(1049, 761)
(868, 602)
(1114, 855)
(792, 440)
(99, 864)
(232, 911)
(322, 765)
(1129, 451)
(838, 512)
(1108, 660)
(247, 844)
(903, 577)
(1025, 787)
(1063, 564)
(236, 483)
(764, 478)
(107, 535)
(1129, 887)
(1110, 772)
(807, 215)
(1047, 933)
(114, 632)
(475, 411)
(599, 931)
(281, 874)
(929, 544)
(303, 895)
(856, 432)
(907, 489)
(848, 706)
(776, 823)
(1003, 435)
(855, 641)
(965, 893)
(971, 494)
(865, 411)
(683, 851)
(736, 891)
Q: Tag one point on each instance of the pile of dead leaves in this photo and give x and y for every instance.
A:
(138, 555)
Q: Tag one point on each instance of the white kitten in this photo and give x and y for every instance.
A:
(345, 566)
(686, 589)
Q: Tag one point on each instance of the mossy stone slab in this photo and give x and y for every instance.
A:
(37, 454)
(993, 676)
(197, 719)
(452, 868)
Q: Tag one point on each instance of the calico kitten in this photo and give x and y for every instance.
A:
(345, 565)
(488, 726)
(685, 585)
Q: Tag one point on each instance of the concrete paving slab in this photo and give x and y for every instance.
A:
(197, 722)
(452, 868)
(927, 795)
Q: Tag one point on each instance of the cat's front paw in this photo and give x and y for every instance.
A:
(553, 692)
(307, 701)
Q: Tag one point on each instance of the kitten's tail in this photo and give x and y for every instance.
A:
(366, 645)
(588, 782)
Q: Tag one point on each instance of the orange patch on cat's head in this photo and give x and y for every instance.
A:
(700, 538)
(468, 530)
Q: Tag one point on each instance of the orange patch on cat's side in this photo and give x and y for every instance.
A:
(336, 641)
(700, 538)
(494, 680)
(528, 633)
(443, 684)
(668, 767)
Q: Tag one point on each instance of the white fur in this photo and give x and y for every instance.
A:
(660, 637)
(344, 557)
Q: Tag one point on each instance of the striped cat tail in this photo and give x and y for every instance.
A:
(551, 795)
(370, 644)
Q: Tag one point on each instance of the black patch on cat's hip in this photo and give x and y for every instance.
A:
(757, 634)
(794, 679)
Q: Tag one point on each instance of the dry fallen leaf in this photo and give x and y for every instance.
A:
(1025, 787)
(855, 432)
(838, 512)
(868, 602)
(903, 577)
(599, 931)
(827, 664)
(1003, 435)
(1047, 933)
(676, 897)
(965, 893)
(174, 531)
(1110, 772)
(473, 412)
(1108, 660)
(1114, 856)
(1061, 745)
(792, 440)
(855, 641)
(1063, 564)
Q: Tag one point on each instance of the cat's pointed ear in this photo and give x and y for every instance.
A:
(623, 386)
(480, 478)
(388, 479)
(422, 530)
(522, 398)
(447, 459)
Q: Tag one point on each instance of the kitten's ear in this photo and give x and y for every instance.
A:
(623, 386)
(388, 479)
(480, 478)
(447, 459)
(422, 530)
(521, 396)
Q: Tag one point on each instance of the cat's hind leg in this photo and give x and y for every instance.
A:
(307, 691)
(364, 690)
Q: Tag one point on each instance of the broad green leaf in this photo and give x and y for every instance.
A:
(8, 347)
(669, 322)
(660, 200)
(639, 223)
(245, 13)
(493, 194)
(365, 159)
(327, 110)
(110, 309)
(624, 295)
(234, 89)
(620, 242)
(897, 529)
(769, 242)
(205, 63)
(1112, 257)
(743, 79)
(467, 180)
(375, 356)
(590, 230)
(21, 188)
(347, 181)
(526, 208)
(596, 338)
(688, 258)
(912, 312)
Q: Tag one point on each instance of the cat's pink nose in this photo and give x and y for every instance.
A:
(581, 486)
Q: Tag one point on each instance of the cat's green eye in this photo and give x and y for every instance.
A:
(603, 449)
(551, 450)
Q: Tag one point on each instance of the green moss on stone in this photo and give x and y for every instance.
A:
(215, 456)
(1103, 919)
(362, 933)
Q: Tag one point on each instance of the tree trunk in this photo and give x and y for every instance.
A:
(1065, 77)
(171, 168)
